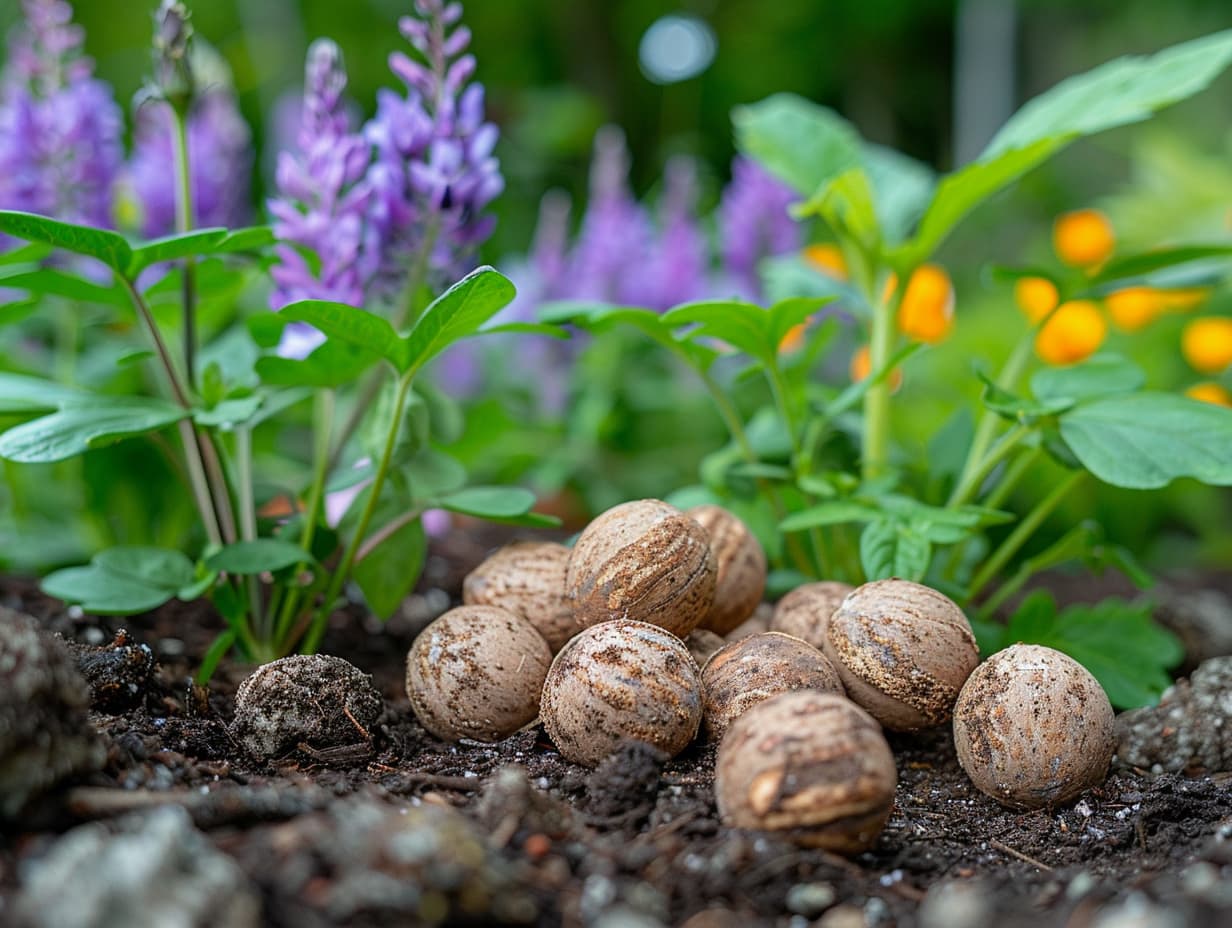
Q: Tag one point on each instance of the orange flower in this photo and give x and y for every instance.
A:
(1035, 296)
(828, 259)
(862, 366)
(1207, 344)
(1132, 308)
(1210, 393)
(926, 312)
(1074, 333)
(1083, 238)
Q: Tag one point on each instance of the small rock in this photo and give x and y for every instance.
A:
(964, 904)
(843, 916)
(45, 734)
(118, 673)
(810, 899)
(158, 870)
(1137, 911)
(312, 702)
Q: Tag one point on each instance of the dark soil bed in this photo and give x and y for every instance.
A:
(322, 837)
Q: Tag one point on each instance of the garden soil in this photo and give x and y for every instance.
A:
(398, 828)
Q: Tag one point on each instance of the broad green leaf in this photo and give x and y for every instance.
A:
(834, 512)
(29, 253)
(213, 654)
(19, 393)
(331, 364)
(20, 311)
(433, 473)
(458, 312)
(1020, 408)
(785, 315)
(106, 246)
(352, 326)
(653, 325)
(803, 144)
(1160, 259)
(1102, 375)
(742, 325)
(1147, 440)
(229, 413)
(170, 247)
(163, 568)
(257, 556)
(102, 592)
(55, 282)
(388, 572)
(252, 238)
(526, 328)
(902, 190)
(891, 549)
(488, 502)
(78, 428)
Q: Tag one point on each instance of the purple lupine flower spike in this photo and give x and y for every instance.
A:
(60, 128)
(677, 269)
(754, 224)
(435, 172)
(323, 203)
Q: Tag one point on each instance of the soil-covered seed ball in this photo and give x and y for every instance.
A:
(754, 669)
(646, 561)
(702, 643)
(621, 681)
(805, 611)
(903, 651)
(526, 577)
(476, 672)
(1033, 728)
(313, 699)
(811, 766)
(741, 563)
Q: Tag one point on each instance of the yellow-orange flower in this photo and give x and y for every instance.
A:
(862, 366)
(794, 337)
(1035, 296)
(1132, 308)
(1083, 238)
(828, 259)
(1074, 333)
(1184, 298)
(1210, 393)
(926, 311)
(1207, 344)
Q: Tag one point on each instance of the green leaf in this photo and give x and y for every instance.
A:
(902, 190)
(744, 326)
(55, 282)
(1147, 440)
(163, 568)
(352, 326)
(19, 393)
(834, 512)
(526, 328)
(213, 654)
(433, 472)
(805, 145)
(170, 247)
(252, 238)
(387, 573)
(890, 549)
(1132, 266)
(1101, 375)
(785, 315)
(29, 253)
(78, 428)
(331, 364)
(257, 556)
(229, 412)
(106, 246)
(488, 502)
(1019, 408)
(458, 312)
(102, 592)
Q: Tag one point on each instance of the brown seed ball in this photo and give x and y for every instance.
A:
(750, 671)
(1033, 728)
(619, 681)
(645, 561)
(526, 577)
(314, 699)
(702, 643)
(903, 651)
(812, 766)
(805, 611)
(741, 580)
(476, 673)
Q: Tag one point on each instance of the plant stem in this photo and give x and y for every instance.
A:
(1016, 471)
(248, 523)
(969, 486)
(1026, 528)
(877, 399)
(184, 221)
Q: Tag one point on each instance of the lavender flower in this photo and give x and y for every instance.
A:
(435, 172)
(676, 270)
(324, 203)
(754, 224)
(60, 129)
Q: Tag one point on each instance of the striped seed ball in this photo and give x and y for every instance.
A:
(805, 611)
(476, 672)
(813, 767)
(646, 561)
(903, 651)
(620, 681)
(526, 577)
(741, 563)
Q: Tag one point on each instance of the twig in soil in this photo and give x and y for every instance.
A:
(1141, 833)
(1025, 858)
(363, 732)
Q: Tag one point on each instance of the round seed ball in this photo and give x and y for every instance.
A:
(750, 671)
(476, 673)
(526, 577)
(646, 561)
(314, 699)
(903, 651)
(741, 579)
(619, 681)
(1033, 728)
(812, 766)
(805, 611)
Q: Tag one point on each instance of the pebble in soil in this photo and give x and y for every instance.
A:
(319, 705)
(45, 734)
(118, 673)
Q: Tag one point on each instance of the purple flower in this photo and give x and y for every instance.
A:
(219, 162)
(754, 224)
(324, 203)
(676, 271)
(60, 129)
(435, 173)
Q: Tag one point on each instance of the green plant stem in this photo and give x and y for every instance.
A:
(248, 522)
(1026, 528)
(184, 221)
(218, 486)
(1013, 474)
(970, 485)
(317, 630)
(877, 399)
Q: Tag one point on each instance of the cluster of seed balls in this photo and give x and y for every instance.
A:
(620, 638)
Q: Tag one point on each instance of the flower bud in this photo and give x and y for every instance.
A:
(1207, 344)
(1083, 238)
(1073, 334)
